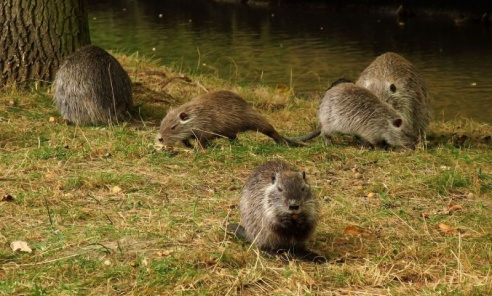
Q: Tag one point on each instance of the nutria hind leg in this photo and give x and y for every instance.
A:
(204, 142)
(187, 143)
(360, 142)
(232, 139)
(381, 145)
(328, 140)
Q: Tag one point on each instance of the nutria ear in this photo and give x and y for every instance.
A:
(274, 177)
(397, 122)
(393, 88)
(183, 116)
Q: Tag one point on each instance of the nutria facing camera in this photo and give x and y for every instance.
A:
(278, 209)
(91, 87)
(212, 115)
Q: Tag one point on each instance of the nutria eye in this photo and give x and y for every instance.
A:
(280, 189)
(392, 88)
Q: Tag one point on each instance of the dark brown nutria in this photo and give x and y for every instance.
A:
(278, 209)
(91, 87)
(212, 115)
(394, 80)
(352, 109)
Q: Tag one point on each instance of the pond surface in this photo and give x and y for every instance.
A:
(306, 49)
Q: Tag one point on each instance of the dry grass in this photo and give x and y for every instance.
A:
(108, 214)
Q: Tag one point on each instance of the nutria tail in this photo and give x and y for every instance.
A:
(291, 142)
(309, 136)
(279, 139)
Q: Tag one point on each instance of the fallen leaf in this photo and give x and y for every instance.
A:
(7, 197)
(446, 229)
(145, 262)
(453, 208)
(52, 119)
(164, 253)
(353, 230)
(115, 189)
(425, 215)
(20, 246)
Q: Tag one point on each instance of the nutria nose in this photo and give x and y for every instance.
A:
(160, 139)
(294, 208)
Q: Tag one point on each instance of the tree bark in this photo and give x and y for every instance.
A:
(36, 35)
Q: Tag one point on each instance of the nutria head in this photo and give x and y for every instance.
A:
(287, 193)
(176, 126)
(398, 134)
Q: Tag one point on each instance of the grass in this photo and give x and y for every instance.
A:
(107, 213)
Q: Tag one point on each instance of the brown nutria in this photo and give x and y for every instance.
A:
(394, 80)
(352, 109)
(91, 87)
(212, 115)
(278, 209)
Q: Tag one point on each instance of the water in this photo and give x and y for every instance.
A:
(305, 49)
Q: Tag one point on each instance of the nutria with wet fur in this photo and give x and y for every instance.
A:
(91, 87)
(278, 209)
(351, 109)
(394, 80)
(212, 115)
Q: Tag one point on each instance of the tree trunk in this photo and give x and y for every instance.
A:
(36, 35)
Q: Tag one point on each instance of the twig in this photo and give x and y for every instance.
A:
(49, 211)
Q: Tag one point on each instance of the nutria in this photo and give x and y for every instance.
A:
(394, 80)
(278, 209)
(91, 87)
(317, 131)
(352, 109)
(212, 115)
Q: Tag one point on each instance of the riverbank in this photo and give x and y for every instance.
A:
(105, 211)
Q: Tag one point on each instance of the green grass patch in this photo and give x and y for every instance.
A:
(107, 212)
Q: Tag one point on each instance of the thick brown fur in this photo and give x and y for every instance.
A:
(394, 80)
(212, 115)
(278, 209)
(91, 87)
